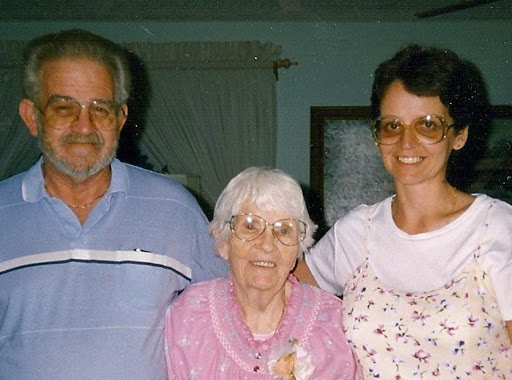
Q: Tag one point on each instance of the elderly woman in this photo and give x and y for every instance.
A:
(260, 323)
(425, 274)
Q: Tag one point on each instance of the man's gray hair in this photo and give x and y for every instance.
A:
(267, 189)
(74, 43)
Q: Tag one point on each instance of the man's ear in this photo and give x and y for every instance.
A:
(461, 138)
(27, 110)
(123, 116)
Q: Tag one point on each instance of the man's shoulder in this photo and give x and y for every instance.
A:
(15, 181)
(137, 171)
(144, 182)
(11, 189)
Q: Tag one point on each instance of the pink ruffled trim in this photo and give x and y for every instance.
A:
(298, 320)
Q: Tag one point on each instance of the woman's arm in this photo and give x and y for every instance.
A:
(509, 329)
(303, 274)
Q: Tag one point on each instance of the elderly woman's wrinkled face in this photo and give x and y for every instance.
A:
(263, 263)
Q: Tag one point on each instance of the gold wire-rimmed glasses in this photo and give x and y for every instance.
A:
(429, 129)
(61, 112)
(247, 227)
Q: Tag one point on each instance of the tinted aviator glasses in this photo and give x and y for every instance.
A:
(247, 227)
(429, 129)
(60, 113)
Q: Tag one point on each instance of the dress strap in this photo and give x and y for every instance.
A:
(483, 231)
(366, 245)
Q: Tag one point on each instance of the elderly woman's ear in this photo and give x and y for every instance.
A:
(223, 249)
(222, 245)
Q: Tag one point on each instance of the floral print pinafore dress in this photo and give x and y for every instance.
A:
(455, 332)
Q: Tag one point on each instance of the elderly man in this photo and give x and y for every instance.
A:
(92, 250)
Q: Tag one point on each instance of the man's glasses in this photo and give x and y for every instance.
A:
(60, 113)
(247, 227)
(429, 129)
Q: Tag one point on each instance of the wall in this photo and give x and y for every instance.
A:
(336, 60)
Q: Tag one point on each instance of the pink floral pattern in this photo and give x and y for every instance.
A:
(455, 332)
(206, 336)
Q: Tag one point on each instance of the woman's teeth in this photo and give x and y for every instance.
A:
(266, 264)
(410, 160)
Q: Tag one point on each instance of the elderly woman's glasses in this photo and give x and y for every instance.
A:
(61, 112)
(248, 227)
(429, 129)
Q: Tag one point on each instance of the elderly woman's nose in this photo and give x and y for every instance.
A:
(267, 238)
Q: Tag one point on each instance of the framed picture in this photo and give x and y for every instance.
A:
(346, 169)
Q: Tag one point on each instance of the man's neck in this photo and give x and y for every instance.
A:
(79, 194)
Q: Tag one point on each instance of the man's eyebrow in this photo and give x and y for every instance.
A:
(60, 97)
(70, 98)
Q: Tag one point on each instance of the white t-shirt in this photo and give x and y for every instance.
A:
(420, 262)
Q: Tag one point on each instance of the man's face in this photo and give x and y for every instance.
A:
(80, 149)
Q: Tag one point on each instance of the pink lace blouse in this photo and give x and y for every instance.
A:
(206, 337)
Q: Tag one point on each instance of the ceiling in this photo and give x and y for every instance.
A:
(249, 10)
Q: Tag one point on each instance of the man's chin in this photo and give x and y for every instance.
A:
(78, 164)
(80, 172)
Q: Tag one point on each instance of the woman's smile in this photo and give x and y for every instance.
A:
(266, 264)
(410, 160)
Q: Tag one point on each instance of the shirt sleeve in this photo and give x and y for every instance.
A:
(335, 258)
(171, 358)
(207, 264)
(187, 327)
(497, 256)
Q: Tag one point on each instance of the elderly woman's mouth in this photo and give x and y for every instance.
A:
(266, 264)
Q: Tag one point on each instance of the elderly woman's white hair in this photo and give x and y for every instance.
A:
(267, 189)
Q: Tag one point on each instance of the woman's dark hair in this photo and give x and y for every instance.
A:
(428, 71)
(435, 72)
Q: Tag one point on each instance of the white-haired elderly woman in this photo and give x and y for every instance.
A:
(260, 323)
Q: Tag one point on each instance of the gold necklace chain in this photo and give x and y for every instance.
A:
(78, 206)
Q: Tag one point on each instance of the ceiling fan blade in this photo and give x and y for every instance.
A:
(452, 8)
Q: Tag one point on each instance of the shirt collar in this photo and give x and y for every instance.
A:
(33, 184)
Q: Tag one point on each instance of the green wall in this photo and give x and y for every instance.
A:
(336, 60)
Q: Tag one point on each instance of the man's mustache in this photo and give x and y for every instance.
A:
(94, 139)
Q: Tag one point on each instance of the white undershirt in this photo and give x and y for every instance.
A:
(262, 337)
(420, 262)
